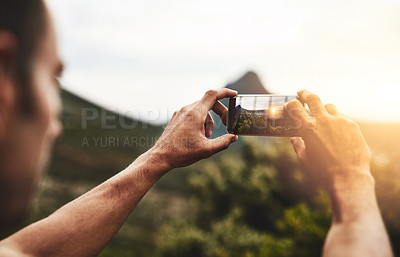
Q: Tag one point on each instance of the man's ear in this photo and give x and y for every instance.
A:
(8, 50)
(8, 54)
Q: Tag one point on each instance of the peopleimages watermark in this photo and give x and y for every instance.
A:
(103, 119)
(110, 120)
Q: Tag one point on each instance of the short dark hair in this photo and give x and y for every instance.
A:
(26, 20)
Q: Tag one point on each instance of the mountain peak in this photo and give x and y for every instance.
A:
(249, 83)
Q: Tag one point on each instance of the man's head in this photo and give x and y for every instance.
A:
(29, 101)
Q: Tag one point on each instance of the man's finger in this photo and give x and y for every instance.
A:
(209, 125)
(221, 110)
(173, 116)
(331, 109)
(220, 143)
(313, 101)
(296, 112)
(211, 96)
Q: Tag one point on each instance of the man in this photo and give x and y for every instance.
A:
(29, 105)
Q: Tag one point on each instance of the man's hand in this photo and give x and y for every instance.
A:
(331, 145)
(332, 148)
(185, 141)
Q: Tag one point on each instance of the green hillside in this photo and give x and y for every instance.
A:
(96, 142)
(93, 148)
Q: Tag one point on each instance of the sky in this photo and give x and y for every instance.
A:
(148, 58)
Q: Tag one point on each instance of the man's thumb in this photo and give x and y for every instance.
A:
(221, 143)
(299, 147)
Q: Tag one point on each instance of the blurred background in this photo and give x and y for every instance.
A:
(136, 62)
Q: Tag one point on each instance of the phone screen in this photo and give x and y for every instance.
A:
(260, 115)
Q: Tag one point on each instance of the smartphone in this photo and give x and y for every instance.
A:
(260, 115)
